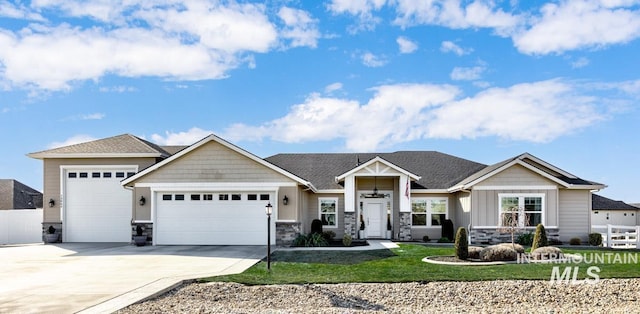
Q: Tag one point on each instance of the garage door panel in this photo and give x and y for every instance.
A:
(211, 222)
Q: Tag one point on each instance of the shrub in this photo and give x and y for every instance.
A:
(474, 252)
(516, 247)
(547, 253)
(447, 229)
(595, 239)
(444, 240)
(316, 226)
(525, 238)
(498, 253)
(540, 239)
(426, 238)
(575, 241)
(346, 240)
(316, 239)
(462, 244)
(300, 240)
(329, 235)
(554, 241)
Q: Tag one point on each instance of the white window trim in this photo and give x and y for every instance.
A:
(320, 200)
(428, 212)
(521, 210)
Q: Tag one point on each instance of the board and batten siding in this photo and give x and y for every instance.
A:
(462, 208)
(312, 211)
(213, 162)
(485, 202)
(574, 214)
(51, 174)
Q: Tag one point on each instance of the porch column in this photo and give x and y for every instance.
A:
(350, 206)
(405, 208)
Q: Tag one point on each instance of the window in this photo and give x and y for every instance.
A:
(119, 174)
(106, 174)
(179, 197)
(73, 175)
(223, 197)
(95, 174)
(264, 197)
(329, 211)
(236, 197)
(195, 197)
(252, 197)
(207, 197)
(84, 175)
(129, 174)
(429, 212)
(166, 197)
(524, 210)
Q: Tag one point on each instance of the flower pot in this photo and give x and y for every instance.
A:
(51, 237)
(140, 240)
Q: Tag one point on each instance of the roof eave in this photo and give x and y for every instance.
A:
(94, 155)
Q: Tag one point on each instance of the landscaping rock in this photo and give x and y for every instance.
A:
(547, 253)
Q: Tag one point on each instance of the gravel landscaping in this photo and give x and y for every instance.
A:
(509, 296)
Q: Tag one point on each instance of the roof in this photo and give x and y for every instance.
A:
(16, 195)
(436, 170)
(534, 164)
(125, 145)
(603, 203)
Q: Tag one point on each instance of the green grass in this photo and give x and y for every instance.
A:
(403, 264)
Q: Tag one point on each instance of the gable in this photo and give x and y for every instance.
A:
(517, 175)
(212, 162)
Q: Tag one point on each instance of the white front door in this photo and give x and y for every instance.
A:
(374, 218)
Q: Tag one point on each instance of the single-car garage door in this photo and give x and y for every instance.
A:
(203, 218)
(96, 207)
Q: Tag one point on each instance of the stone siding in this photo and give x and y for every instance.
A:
(147, 230)
(405, 227)
(286, 232)
(45, 230)
(350, 224)
(492, 235)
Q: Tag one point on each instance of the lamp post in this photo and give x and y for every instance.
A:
(269, 210)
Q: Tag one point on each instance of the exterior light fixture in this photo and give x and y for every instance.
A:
(52, 202)
(285, 200)
(142, 201)
(268, 210)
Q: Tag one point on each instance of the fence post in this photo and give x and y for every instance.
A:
(608, 236)
(637, 237)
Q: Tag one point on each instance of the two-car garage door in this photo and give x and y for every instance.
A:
(211, 218)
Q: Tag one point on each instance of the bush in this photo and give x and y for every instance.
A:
(595, 239)
(329, 235)
(525, 238)
(547, 253)
(316, 226)
(554, 241)
(474, 252)
(426, 238)
(310, 240)
(498, 253)
(300, 240)
(444, 240)
(346, 240)
(447, 229)
(540, 239)
(575, 241)
(516, 247)
(462, 244)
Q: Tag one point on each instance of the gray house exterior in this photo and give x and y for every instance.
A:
(214, 193)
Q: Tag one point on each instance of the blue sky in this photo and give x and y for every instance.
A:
(483, 80)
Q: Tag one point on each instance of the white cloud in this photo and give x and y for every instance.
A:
(573, 24)
(466, 74)
(117, 89)
(301, 29)
(533, 112)
(18, 11)
(373, 61)
(449, 46)
(406, 45)
(181, 138)
(363, 9)
(76, 139)
(333, 87)
(580, 63)
(455, 15)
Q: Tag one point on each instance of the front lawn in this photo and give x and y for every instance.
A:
(405, 264)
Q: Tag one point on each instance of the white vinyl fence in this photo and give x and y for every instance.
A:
(20, 226)
(618, 237)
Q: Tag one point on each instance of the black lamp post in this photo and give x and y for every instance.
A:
(269, 210)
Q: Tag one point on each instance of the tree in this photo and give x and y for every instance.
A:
(511, 221)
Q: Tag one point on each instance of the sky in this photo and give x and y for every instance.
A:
(482, 80)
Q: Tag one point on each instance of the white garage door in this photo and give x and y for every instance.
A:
(97, 208)
(212, 218)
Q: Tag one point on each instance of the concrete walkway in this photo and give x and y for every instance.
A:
(105, 277)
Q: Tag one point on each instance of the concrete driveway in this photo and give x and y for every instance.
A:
(104, 277)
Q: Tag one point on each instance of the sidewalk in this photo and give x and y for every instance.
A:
(373, 245)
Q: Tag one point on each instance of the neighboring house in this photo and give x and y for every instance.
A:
(214, 193)
(15, 195)
(606, 211)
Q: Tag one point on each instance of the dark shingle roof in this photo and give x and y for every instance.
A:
(437, 170)
(603, 203)
(122, 144)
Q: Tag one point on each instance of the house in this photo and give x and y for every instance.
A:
(606, 211)
(16, 195)
(214, 193)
